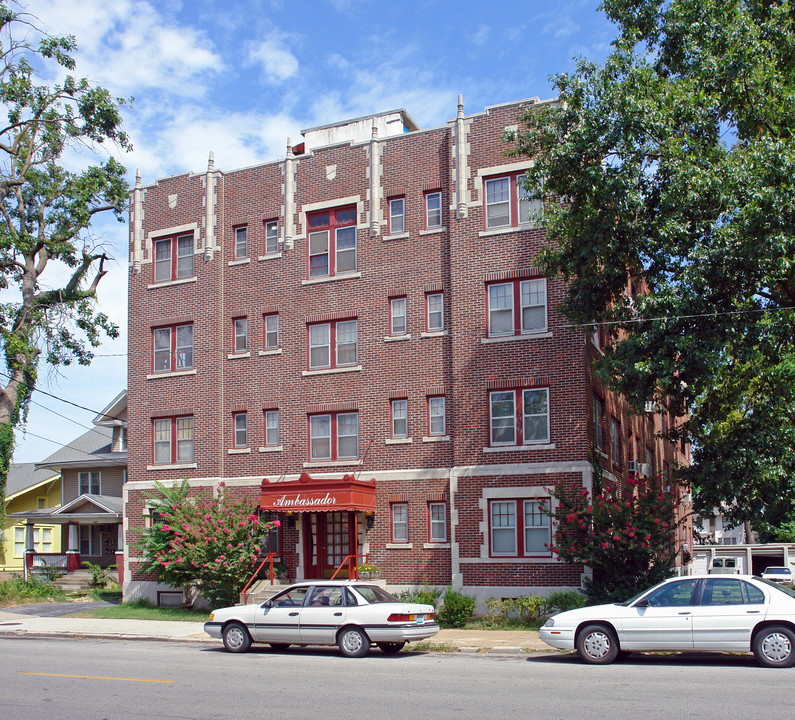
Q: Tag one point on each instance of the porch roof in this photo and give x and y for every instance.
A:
(87, 509)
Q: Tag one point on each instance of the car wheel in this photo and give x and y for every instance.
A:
(236, 638)
(279, 646)
(353, 642)
(774, 646)
(391, 648)
(597, 644)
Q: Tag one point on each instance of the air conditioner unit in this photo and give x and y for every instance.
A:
(632, 466)
(643, 468)
(650, 406)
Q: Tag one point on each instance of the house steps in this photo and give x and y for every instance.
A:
(75, 580)
(261, 590)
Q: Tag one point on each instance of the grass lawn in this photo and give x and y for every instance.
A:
(141, 611)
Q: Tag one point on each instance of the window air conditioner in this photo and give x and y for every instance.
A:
(643, 468)
(650, 406)
(632, 466)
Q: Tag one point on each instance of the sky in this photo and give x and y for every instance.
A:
(240, 77)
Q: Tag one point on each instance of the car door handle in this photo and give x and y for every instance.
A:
(753, 612)
(293, 614)
(685, 612)
(337, 614)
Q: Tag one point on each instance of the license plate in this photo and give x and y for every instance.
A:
(420, 619)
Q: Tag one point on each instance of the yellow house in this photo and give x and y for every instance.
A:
(29, 489)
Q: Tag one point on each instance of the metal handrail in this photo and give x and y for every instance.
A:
(353, 572)
(268, 559)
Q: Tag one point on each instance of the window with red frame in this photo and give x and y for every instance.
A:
(433, 210)
(519, 417)
(434, 316)
(400, 421)
(172, 440)
(334, 436)
(507, 203)
(333, 344)
(240, 328)
(437, 522)
(437, 422)
(173, 258)
(241, 242)
(397, 316)
(519, 528)
(271, 428)
(271, 232)
(518, 307)
(400, 522)
(172, 348)
(615, 441)
(270, 328)
(397, 216)
(240, 426)
(332, 242)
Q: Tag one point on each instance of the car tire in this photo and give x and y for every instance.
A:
(279, 646)
(774, 646)
(236, 638)
(392, 648)
(353, 643)
(597, 644)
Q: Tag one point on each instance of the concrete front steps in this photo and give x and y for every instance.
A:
(76, 580)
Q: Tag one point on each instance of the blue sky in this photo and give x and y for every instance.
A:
(239, 77)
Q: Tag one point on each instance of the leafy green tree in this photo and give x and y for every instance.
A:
(674, 163)
(625, 537)
(205, 542)
(45, 212)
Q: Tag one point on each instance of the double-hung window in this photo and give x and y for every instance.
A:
(334, 436)
(173, 258)
(240, 421)
(241, 242)
(397, 316)
(172, 440)
(519, 417)
(518, 528)
(271, 428)
(508, 203)
(172, 348)
(400, 522)
(271, 330)
(397, 216)
(333, 344)
(434, 312)
(437, 522)
(332, 242)
(436, 416)
(240, 326)
(433, 210)
(400, 422)
(518, 307)
(598, 413)
(615, 441)
(271, 230)
(89, 483)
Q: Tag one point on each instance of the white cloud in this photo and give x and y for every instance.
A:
(276, 62)
(481, 36)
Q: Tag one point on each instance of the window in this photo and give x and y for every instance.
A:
(42, 540)
(332, 242)
(271, 237)
(334, 436)
(172, 348)
(509, 427)
(400, 426)
(173, 440)
(400, 522)
(517, 307)
(271, 328)
(435, 312)
(397, 216)
(598, 412)
(518, 528)
(397, 310)
(615, 441)
(173, 258)
(19, 541)
(241, 242)
(342, 336)
(271, 428)
(433, 210)
(123, 439)
(90, 540)
(240, 422)
(508, 203)
(241, 334)
(436, 416)
(89, 483)
(437, 522)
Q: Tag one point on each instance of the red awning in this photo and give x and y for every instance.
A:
(313, 495)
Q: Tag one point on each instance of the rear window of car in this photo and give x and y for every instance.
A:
(374, 594)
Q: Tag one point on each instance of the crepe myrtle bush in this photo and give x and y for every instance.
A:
(625, 535)
(206, 542)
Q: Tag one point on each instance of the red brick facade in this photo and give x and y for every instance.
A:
(448, 459)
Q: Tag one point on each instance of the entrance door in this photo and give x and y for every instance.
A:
(328, 539)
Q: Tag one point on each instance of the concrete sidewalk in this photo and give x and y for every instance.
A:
(18, 625)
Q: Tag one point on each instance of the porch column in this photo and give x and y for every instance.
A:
(30, 548)
(73, 550)
(120, 554)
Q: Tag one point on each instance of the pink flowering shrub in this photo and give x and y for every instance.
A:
(626, 537)
(210, 543)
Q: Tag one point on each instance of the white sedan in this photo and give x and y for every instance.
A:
(351, 615)
(722, 613)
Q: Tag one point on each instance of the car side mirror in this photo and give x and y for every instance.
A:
(267, 604)
(642, 603)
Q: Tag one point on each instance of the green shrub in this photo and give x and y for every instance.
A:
(563, 600)
(426, 595)
(497, 611)
(529, 607)
(457, 608)
(19, 590)
(99, 575)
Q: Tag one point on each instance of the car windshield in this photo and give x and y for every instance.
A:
(776, 571)
(776, 586)
(374, 594)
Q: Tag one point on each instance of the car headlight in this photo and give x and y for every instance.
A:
(549, 623)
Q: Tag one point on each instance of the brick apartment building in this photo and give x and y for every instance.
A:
(357, 336)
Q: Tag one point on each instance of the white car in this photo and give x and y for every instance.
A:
(778, 574)
(351, 615)
(722, 613)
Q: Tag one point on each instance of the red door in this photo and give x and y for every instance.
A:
(328, 539)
